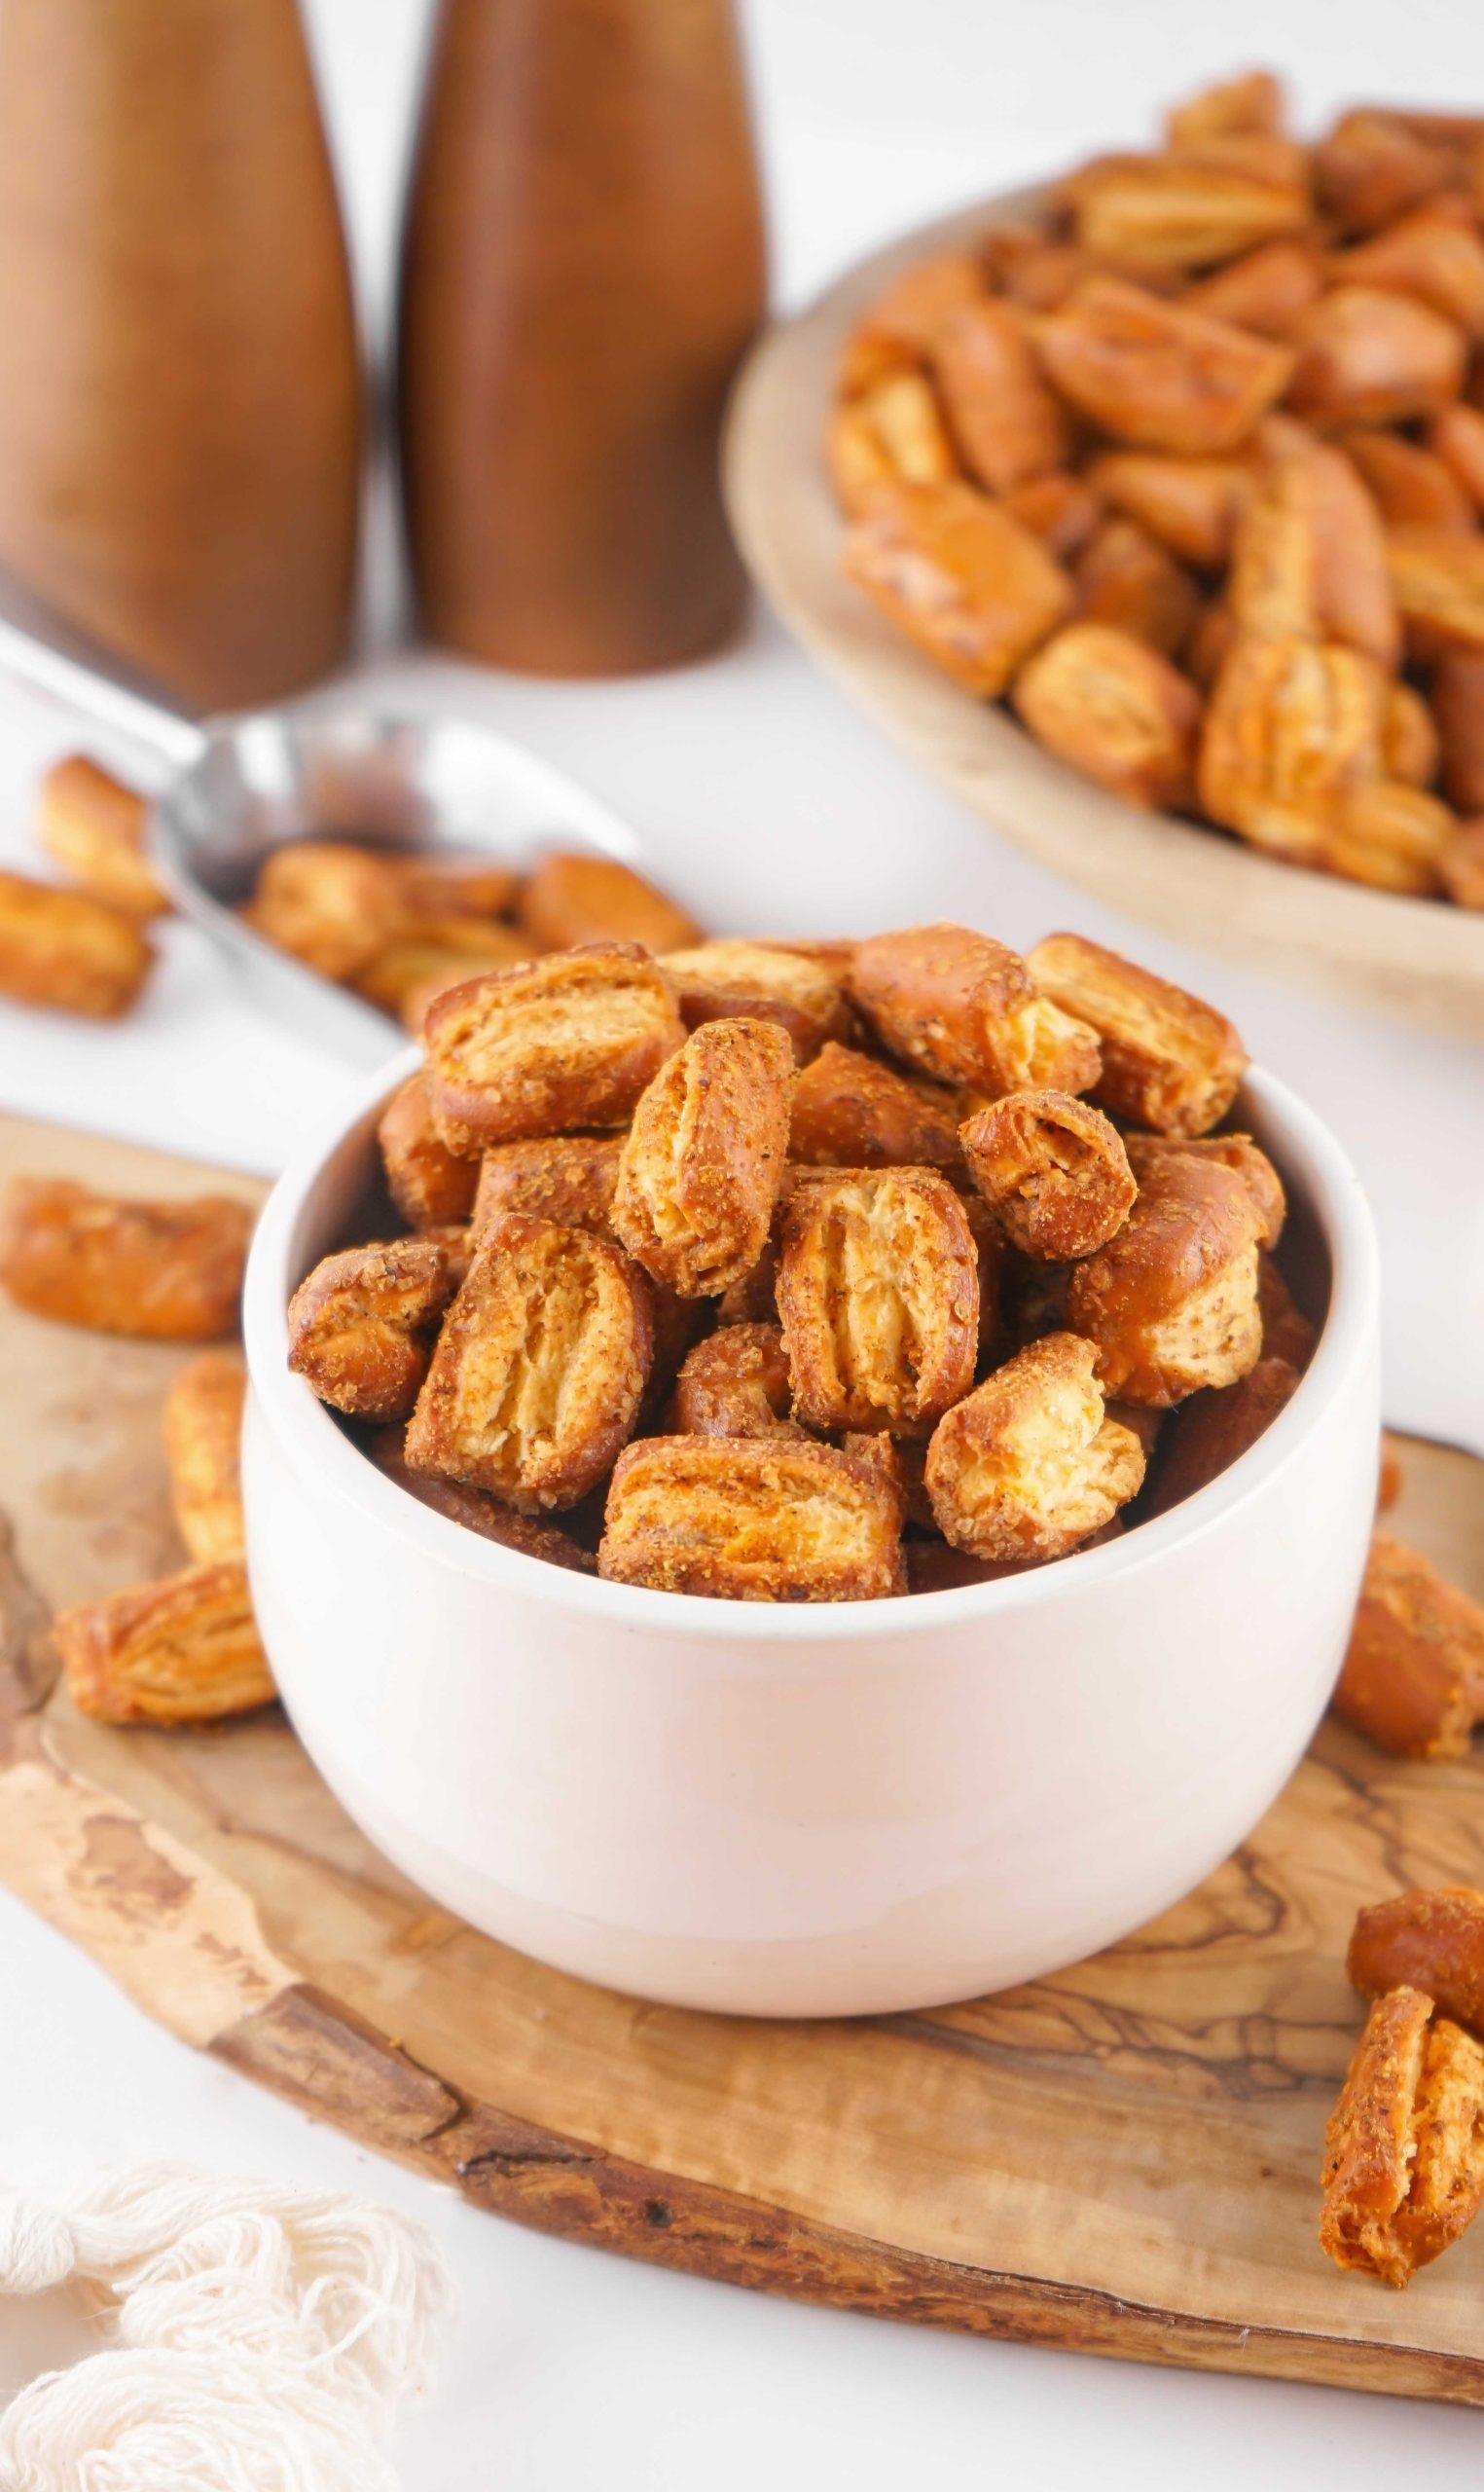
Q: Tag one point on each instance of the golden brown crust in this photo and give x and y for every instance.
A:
(1438, 580)
(478, 1512)
(1413, 1681)
(1369, 357)
(428, 1182)
(66, 952)
(1462, 866)
(1370, 169)
(1029, 1466)
(1410, 748)
(1171, 1302)
(541, 1369)
(1291, 724)
(961, 577)
(735, 1383)
(852, 1112)
(1429, 256)
(1062, 509)
(1007, 425)
(166, 1272)
(737, 982)
(1169, 1060)
(180, 1651)
(913, 307)
(1054, 1171)
(1235, 1150)
(1404, 2152)
(1190, 506)
(1155, 376)
(1268, 290)
(569, 1041)
(202, 1445)
(893, 433)
(1127, 580)
(1213, 1429)
(362, 1325)
(1411, 487)
(567, 1178)
(1187, 210)
(706, 1157)
(751, 1519)
(95, 828)
(1394, 837)
(572, 899)
(1430, 1939)
(430, 958)
(1252, 101)
(331, 903)
(966, 1009)
(879, 1297)
(1113, 707)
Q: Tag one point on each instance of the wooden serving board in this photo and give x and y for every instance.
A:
(1421, 960)
(1120, 2159)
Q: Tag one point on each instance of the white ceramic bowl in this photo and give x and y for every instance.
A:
(825, 1811)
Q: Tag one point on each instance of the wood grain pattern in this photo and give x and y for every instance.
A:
(1121, 2158)
(1419, 959)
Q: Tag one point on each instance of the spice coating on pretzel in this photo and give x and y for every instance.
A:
(361, 1327)
(1215, 1429)
(1170, 1301)
(961, 1008)
(1235, 1150)
(958, 576)
(1413, 1677)
(852, 1112)
(476, 1511)
(165, 1271)
(878, 1296)
(1053, 1170)
(67, 951)
(750, 1519)
(735, 1383)
(567, 1178)
(1404, 2151)
(1029, 1465)
(203, 1444)
(706, 1157)
(1168, 1060)
(1432, 1939)
(562, 1043)
(429, 1183)
(737, 982)
(182, 1650)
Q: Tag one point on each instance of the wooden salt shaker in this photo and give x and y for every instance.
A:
(180, 389)
(584, 264)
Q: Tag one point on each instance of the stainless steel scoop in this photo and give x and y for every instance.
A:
(328, 765)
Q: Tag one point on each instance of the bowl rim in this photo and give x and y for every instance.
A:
(304, 1426)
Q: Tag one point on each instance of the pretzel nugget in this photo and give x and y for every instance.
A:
(66, 952)
(1268, 290)
(879, 1297)
(1430, 1939)
(850, 1112)
(331, 903)
(1410, 747)
(1411, 487)
(1213, 1429)
(1112, 707)
(1061, 510)
(203, 1444)
(1404, 2151)
(1006, 422)
(1158, 377)
(1029, 1465)
(478, 1512)
(1191, 505)
(1427, 255)
(706, 1157)
(1169, 1060)
(892, 433)
(164, 1271)
(1235, 1150)
(966, 1009)
(750, 1519)
(1125, 578)
(1053, 1170)
(429, 1184)
(183, 1650)
(1438, 578)
(1368, 357)
(580, 900)
(1413, 1681)
(1253, 101)
(960, 576)
(95, 828)
(735, 1384)
(361, 1327)
(1290, 726)
(541, 1367)
(1170, 1301)
(1372, 169)
(565, 1042)
(432, 957)
(733, 981)
(567, 1178)
(1177, 211)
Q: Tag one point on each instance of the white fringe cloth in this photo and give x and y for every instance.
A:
(260, 2338)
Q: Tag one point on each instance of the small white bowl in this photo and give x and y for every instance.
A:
(811, 1812)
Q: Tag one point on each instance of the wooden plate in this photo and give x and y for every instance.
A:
(1420, 959)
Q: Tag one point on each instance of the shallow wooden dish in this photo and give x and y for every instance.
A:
(1423, 960)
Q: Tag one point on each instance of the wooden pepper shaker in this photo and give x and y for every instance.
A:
(180, 388)
(583, 266)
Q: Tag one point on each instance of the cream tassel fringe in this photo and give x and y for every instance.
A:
(261, 2337)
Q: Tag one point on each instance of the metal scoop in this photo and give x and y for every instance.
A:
(330, 766)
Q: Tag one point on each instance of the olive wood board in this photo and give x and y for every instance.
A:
(1420, 959)
(1121, 2158)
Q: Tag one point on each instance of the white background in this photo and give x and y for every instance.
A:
(749, 777)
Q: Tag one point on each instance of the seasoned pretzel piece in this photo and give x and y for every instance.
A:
(333, 904)
(1368, 357)
(1029, 1465)
(1410, 748)
(432, 957)
(95, 828)
(892, 433)
(202, 1445)
(750, 1519)
(1235, 1150)
(428, 1182)
(1413, 1679)
(1170, 1301)
(541, 1369)
(1429, 255)
(1268, 290)
(877, 1296)
(166, 1272)
(1287, 1331)
(851, 1111)
(362, 1326)
(966, 1009)
(961, 577)
(700, 1171)
(1126, 579)
(66, 952)
(1392, 836)
(1115, 710)
(1007, 425)
(478, 1512)
(567, 1178)
(1405, 2150)
(735, 1383)
(735, 981)
(1253, 101)
(1191, 505)
(900, 1463)
(1458, 713)
(580, 900)
(1156, 376)
(569, 1041)
(1410, 485)
(1183, 210)
(1438, 578)
(1291, 727)
(1169, 1060)
(1309, 556)
(1462, 866)
(1053, 1169)
(1430, 1939)
(182, 1650)
(755, 1298)
(1213, 1429)
(1061, 510)
(1370, 169)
